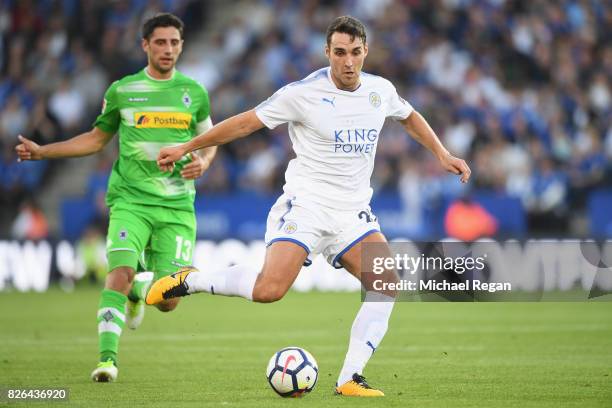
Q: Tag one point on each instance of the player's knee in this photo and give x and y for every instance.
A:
(167, 305)
(268, 293)
(165, 308)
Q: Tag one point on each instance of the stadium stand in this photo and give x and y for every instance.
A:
(521, 89)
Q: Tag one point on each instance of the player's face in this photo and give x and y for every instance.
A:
(346, 59)
(163, 49)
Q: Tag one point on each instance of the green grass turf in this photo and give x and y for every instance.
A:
(213, 351)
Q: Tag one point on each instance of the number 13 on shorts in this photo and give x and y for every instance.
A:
(183, 249)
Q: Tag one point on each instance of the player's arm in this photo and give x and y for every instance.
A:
(200, 159)
(82, 145)
(230, 129)
(200, 162)
(207, 154)
(416, 125)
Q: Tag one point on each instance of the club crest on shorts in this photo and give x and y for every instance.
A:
(375, 99)
(290, 227)
(123, 234)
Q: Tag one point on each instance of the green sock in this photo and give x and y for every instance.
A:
(140, 286)
(111, 319)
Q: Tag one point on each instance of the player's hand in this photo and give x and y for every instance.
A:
(27, 149)
(456, 165)
(168, 156)
(196, 168)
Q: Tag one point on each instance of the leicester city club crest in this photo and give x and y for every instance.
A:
(374, 99)
(186, 100)
(290, 227)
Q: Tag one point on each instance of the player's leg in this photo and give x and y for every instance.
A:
(159, 260)
(171, 248)
(127, 235)
(282, 265)
(292, 231)
(370, 324)
(287, 251)
(111, 321)
(136, 306)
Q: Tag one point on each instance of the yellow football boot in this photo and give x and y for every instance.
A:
(358, 387)
(170, 286)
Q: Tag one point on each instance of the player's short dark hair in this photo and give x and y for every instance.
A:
(161, 20)
(347, 25)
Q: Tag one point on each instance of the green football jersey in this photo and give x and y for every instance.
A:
(149, 114)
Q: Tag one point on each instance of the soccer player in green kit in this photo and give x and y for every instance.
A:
(152, 219)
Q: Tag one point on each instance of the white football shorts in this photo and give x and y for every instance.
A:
(318, 229)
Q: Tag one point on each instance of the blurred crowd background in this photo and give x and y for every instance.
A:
(520, 89)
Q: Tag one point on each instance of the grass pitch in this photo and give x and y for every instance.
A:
(213, 351)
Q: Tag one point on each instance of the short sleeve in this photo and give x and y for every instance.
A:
(108, 120)
(282, 107)
(204, 110)
(397, 107)
(204, 125)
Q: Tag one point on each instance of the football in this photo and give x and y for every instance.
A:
(292, 372)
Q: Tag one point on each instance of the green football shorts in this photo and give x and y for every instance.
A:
(156, 239)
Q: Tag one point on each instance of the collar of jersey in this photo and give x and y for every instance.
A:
(159, 80)
(331, 81)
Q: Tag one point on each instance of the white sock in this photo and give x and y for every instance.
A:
(236, 280)
(368, 329)
(141, 290)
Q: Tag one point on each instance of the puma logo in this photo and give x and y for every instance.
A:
(330, 101)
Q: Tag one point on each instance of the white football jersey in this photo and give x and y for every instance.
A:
(334, 135)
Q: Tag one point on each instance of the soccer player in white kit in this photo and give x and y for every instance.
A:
(335, 116)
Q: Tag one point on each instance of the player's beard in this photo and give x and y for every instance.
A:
(162, 70)
(349, 83)
(352, 82)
